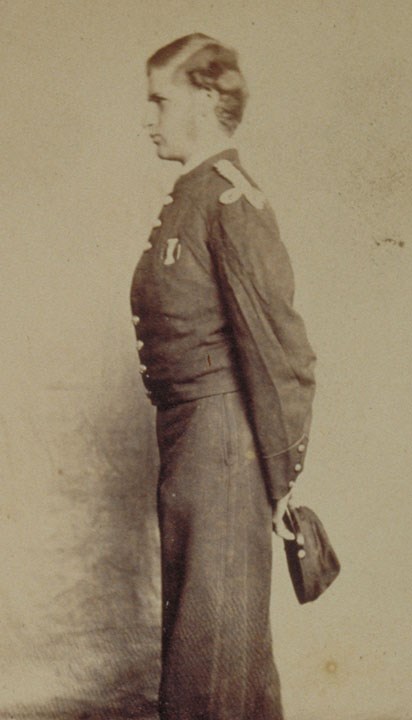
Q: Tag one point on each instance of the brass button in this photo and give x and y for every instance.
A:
(142, 369)
(135, 319)
(139, 344)
(157, 223)
(168, 200)
(298, 467)
(301, 448)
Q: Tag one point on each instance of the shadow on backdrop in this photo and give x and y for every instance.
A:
(106, 624)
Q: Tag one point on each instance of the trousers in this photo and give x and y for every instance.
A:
(216, 558)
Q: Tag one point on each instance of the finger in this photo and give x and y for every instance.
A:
(292, 502)
(282, 503)
(282, 531)
(280, 509)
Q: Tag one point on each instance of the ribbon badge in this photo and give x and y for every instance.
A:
(173, 251)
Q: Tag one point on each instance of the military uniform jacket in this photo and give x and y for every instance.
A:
(212, 304)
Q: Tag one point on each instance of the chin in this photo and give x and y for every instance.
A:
(162, 151)
(164, 154)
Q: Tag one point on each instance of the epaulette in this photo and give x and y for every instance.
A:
(241, 186)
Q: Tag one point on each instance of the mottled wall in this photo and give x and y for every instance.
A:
(328, 135)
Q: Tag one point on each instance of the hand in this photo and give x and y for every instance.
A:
(277, 518)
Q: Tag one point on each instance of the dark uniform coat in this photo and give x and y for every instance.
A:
(212, 300)
(225, 358)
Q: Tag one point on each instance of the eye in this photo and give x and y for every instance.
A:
(158, 100)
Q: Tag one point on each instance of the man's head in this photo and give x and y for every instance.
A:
(196, 90)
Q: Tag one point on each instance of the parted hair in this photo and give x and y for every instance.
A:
(208, 64)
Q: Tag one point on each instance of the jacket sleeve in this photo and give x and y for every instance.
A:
(276, 361)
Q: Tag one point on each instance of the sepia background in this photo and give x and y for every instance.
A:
(327, 135)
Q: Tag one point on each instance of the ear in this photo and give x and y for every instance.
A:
(208, 99)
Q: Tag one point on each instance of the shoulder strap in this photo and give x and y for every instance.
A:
(241, 186)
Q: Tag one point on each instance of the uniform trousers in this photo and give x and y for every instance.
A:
(216, 552)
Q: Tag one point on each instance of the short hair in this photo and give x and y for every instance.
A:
(206, 63)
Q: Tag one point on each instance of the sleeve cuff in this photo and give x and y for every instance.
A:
(284, 468)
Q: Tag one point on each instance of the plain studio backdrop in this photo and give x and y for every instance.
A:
(327, 135)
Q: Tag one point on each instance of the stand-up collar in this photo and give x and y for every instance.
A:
(202, 168)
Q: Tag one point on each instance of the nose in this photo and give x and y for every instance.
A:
(149, 116)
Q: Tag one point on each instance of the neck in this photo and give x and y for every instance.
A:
(205, 149)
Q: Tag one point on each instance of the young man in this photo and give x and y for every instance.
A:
(226, 361)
